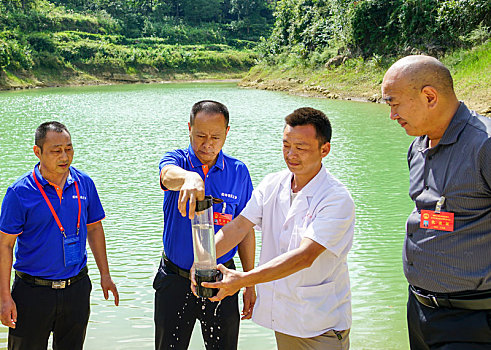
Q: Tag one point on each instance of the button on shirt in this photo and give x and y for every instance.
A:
(459, 168)
(228, 180)
(39, 248)
(316, 299)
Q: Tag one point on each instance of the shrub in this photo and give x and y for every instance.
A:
(41, 42)
(375, 28)
(432, 26)
(14, 54)
(4, 54)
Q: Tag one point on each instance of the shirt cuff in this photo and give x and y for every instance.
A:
(10, 234)
(95, 222)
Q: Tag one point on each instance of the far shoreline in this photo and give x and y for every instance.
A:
(238, 81)
(10, 82)
(242, 79)
(114, 83)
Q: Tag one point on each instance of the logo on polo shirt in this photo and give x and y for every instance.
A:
(229, 195)
(81, 197)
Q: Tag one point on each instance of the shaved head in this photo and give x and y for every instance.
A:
(419, 91)
(417, 71)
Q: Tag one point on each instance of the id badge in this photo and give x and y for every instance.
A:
(221, 219)
(442, 221)
(72, 250)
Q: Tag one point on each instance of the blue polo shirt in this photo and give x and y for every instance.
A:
(39, 248)
(228, 180)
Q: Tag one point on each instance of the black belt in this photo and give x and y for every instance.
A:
(185, 273)
(55, 284)
(479, 300)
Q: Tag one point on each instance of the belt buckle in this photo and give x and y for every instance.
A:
(433, 299)
(58, 284)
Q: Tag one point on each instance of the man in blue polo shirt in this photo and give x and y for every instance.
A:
(187, 175)
(50, 213)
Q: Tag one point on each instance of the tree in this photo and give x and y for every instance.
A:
(249, 13)
(197, 11)
(23, 4)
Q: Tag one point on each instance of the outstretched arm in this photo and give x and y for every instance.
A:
(279, 267)
(237, 232)
(97, 243)
(234, 233)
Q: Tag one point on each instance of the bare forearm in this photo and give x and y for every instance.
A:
(281, 266)
(97, 243)
(247, 251)
(190, 185)
(6, 258)
(173, 177)
(232, 234)
(8, 309)
(285, 264)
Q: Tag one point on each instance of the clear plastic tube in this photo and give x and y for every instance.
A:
(205, 261)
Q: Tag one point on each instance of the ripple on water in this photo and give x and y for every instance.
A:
(121, 132)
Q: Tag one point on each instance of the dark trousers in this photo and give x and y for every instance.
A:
(42, 310)
(177, 309)
(447, 329)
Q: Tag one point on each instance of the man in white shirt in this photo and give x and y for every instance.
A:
(307, 221)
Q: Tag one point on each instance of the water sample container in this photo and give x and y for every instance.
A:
(205, 261)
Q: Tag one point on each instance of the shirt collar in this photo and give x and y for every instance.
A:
(311, 188)
(451, 134)
(457, 124)
(72, 177)
(195, 162)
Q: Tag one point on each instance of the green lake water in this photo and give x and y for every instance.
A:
(119, 135)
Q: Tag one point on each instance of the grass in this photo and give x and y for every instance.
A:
(471, 72)
(50, 46)
(358, 79)
(65, 58)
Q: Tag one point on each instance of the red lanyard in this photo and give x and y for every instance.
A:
(51, 207)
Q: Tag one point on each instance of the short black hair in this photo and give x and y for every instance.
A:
(314, 117)
(209, 107)
(43, 129)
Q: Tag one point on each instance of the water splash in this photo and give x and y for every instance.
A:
(216, 309)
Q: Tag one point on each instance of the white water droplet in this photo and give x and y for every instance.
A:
(216, 309)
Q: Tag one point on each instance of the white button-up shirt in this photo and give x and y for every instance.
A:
(316, 299)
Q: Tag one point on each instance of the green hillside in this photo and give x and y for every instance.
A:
(328, 48)
(46, 43)
(341, 48)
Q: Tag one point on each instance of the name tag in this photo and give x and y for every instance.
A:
(221, 219)
(442, 221)
(72, 250)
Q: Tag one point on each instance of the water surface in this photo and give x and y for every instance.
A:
(120, 133)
